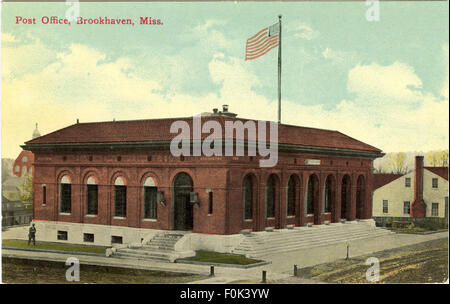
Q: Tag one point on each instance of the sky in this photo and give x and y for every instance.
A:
(383, 82)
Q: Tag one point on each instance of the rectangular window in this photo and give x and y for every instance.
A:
(406, 206)
(62, 235)
(385, 206)
(116, 239)
(66, 198)
(435, 209)
(434, 182)
(44, 194)
(408, 182)
(120, 201)
(88, 237)
(92, 199)
(210, 200)
(150, 194)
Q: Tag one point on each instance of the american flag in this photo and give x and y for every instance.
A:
(261, 43)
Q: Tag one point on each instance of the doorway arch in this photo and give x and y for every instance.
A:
(182, 208)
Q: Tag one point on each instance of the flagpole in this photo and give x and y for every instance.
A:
(279, 73)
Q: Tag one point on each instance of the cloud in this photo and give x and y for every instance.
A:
(397, 81)
(304, 31)
(7, 37)
(80, 83)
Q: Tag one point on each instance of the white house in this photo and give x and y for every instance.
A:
(421, 193)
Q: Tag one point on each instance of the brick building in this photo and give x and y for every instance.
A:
(119, 179)
(23, 164)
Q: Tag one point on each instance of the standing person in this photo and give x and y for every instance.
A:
(32, 235)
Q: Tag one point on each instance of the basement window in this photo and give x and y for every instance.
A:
(88, 237)
(62, 235)
(116, 239)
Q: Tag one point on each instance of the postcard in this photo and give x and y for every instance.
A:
(231, 144)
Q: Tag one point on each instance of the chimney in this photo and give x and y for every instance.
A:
(215, 110)
(224, 108)
(418, 207)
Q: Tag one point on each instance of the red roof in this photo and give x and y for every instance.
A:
(441, 171)
(381, 179)
(159, 130)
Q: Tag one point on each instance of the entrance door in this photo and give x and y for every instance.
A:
(183, 212)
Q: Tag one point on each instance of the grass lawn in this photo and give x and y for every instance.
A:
(47, 272)
(224, 258)
(421, 263)
(55, 246)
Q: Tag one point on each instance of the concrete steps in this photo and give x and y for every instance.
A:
(259, 244)
(160, 248)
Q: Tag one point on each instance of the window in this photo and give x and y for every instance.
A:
(408, 182)
(65, 195)
(434, 182)
(435, 209)
(24, 159)
(91, 197)
(247, 197)
(44, 194)
(270, 197)
(62, 235)
(406, 206)
(385, 206)
(150, 202)
(291, 196)
(91, 158)
(310, 196)
(17, 169)
(119, 158)
(120, 198)
(116, 239)
(210, 201)
(150, 198)
(149, 158)
(88, 237)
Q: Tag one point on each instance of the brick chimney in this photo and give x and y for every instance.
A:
(418, 207)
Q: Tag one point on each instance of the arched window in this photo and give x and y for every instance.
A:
(291, 196)
(120, 198)
(270, 197)
(150, 205)
(311, 194)
(91, 196)
(247, 197)
(328, 195)
(24, 159)
(65, 190)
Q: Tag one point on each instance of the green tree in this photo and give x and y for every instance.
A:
(397, 163)
(26, 192)
(437, 158)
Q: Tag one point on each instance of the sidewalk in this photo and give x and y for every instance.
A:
(281, 267)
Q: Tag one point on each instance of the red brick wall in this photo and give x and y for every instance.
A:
(222, 175)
